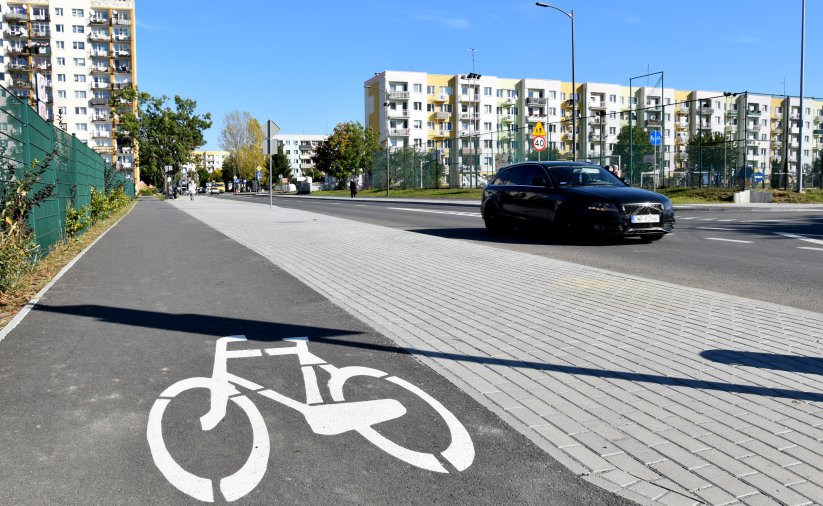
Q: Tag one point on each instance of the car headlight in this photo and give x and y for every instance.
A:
(667, 205)
(602, 206)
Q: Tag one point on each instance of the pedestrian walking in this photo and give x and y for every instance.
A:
(353, 188)
(192, 189)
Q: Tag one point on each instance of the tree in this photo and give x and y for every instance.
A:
(243, 137)
(640, 146)
(550, 153)
(347, 152)
(817, 172)
(166, 133)
(280, 166)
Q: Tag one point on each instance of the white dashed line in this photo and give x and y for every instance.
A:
(727, 240)
(807, 247)
(714, 228)
(801, 237)
(455, 213)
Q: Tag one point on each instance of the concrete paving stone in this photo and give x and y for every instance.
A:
(649, 422)
(800, 454)
(598, 444)
(525, 382)
(588, 458)
(645, 454)
(773, 489)
(643, 435)
(675, 499)
(720, 430)
(514, 391)
(647, 489)
(715, 495)
(759, 500)
(803, 439)
(537, 405)
(769, 451)
(528, 417)
(680, 475)
(480, 384)
(808, 472)
(810, 490)
(688, 443)
(502, 400)
(555, 435)
(784, 475)
(566, 423)
(620, 478)
(631, 465)
(720, 478)
(680, 455)
(606, 430)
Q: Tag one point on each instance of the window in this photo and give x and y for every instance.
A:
(418, 88)
(58, 11)
(612, 98)
(77, 13)
(58, 28)
(430, 125)
(61, 93)
(79, 62)
(78, 28)
(60, 60)
(78, 45)
(487, 126)
(552, 94)
(80, 110)
(418, 106)
(487, 109)
(487, 91)
(430, 90)
(60, 44)
(418, 124)
(61, 78)
(79, 78)
(81, 127)
(430, 107)
(80, 94)
(612, 130)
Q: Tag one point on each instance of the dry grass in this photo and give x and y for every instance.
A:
(12, 301)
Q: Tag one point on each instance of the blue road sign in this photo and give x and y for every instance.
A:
(757, 177)
(655, 138)
(259, 175)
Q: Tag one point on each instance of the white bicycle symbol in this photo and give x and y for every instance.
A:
(323, 418)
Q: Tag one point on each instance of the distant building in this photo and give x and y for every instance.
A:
(478, 123)
(84, 52)
(209, 160)
(299, 150)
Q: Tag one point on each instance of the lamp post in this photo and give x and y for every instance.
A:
(386, 103)
(800, 133)
(570, 15)
(602, 121)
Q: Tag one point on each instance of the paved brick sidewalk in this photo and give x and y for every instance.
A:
(680, 395)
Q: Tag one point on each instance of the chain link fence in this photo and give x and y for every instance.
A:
(26, 139)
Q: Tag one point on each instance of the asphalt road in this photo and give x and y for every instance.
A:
(771, 256)
(89, 417)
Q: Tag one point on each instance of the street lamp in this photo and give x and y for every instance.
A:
(570, 15)
(386, 104)
(602, 121)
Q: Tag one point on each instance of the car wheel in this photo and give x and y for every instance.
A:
(492, 218)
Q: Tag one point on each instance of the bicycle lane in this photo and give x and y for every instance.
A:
(144, 310)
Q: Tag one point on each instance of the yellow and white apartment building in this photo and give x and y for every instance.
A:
(82, 51)
(459, 116)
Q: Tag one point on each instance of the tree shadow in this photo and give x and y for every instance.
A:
(256, 330)
(789, 363)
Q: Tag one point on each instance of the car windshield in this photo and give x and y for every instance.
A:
(585, 176)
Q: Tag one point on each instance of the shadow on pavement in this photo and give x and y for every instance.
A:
(270, 331)
(524, 236)
(789, 363)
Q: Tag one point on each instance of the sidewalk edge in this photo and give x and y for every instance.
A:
(33, 302)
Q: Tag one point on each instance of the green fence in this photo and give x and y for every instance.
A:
(25, 140)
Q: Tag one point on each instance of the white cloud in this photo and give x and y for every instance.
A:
(744, 39)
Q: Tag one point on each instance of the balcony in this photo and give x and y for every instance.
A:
(399, 132)
(18, 51)
(470, 97)
(468, 115)
(18, 67)
(20, 84)
(753, 112)
(682, 110)
(393, 95)
(441, 134)
(653, 122)
(597, 105)
(442, 97)
(98, 20)
(40, 35)
(681, 126)
(507, 118)
(15, 16)
(731, 112)
(399, 113)
(122, 86)
(596, 121)
(440, 115)
(40, 17)
(105, 118)
(100, 85)
(101, 134)
(15, 34)
(706, 110)
(42, 66)
(100, 100)
(100, 70)
(507, 101)
(100, 54)
(99, 37)
(535, 101)
(122, 69)
(122, 37)
(120, 21)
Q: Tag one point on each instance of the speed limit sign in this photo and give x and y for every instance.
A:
(539, 143)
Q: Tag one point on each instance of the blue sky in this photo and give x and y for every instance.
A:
(303, 64)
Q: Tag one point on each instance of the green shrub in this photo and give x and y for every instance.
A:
(77, 220)
(17, 255)
(148, 191)
(99, 205)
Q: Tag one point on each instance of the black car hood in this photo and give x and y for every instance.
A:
(621, 194)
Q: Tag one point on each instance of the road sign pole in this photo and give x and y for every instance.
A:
(268, 139)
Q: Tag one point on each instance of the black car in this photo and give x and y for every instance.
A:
(574, 197)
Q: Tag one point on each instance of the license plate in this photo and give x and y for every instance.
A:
(645, 218)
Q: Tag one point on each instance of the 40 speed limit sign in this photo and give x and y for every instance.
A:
(539, 143)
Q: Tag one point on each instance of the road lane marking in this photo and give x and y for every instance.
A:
(688, 218)
(714, 228)
(727, 240)
(807, 247)
(801, 237)
(433, 211)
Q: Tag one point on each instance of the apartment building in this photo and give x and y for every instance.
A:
(479, 123)
(69, 58)
(299, 150)
(209, 160)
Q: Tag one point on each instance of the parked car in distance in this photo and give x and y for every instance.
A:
(574, 197)
(219, 187)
